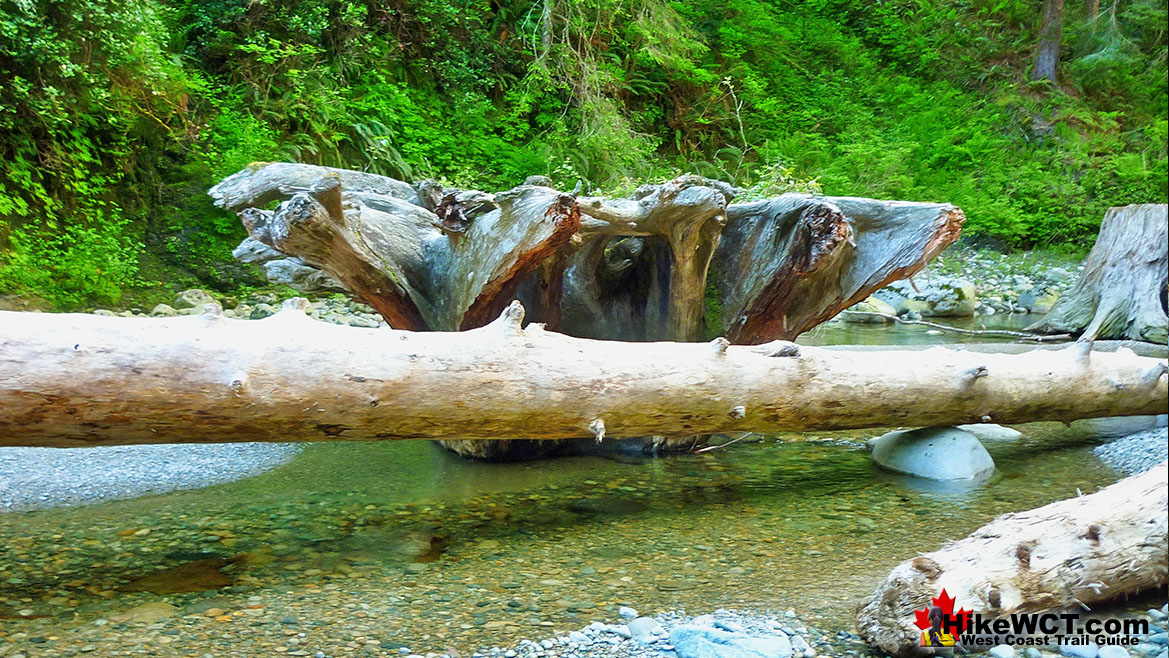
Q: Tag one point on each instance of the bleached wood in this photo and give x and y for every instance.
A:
(77, 380)
(1122, 292)
(1063, 556)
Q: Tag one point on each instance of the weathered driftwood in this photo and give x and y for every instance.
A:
(76, 380)
(1063, 556)
(635, 268)
(790, 263)
(450, 269)
(641, 274)
(1122, 292)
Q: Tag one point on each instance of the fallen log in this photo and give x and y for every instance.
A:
(1122, 292)
(80, 380)
(1068, 555)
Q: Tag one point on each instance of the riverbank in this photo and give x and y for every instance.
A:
(40, 478)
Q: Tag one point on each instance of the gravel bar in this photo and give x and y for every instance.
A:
(39, 478)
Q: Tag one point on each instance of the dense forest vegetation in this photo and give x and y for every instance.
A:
(117, 115)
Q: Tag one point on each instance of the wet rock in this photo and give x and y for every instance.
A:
(147, 613)
(1002, 651)
(704, 642)
(192, 298)
(935, 453)
(1112, 651)
(646, 629)
(941, 297)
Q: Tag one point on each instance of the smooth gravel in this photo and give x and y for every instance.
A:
(38, 478)
(1136, 453)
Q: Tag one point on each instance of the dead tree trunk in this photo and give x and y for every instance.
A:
(78, 380)
(1050, 37)
(1122, 292)
(1101, 547)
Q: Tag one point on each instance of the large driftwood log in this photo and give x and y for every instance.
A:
(1122, 292)
(787, 264)
(637, 268)
(77, 380)
(1063, 556)
(452, 268)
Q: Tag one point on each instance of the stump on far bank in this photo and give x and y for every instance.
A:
(1122, 292)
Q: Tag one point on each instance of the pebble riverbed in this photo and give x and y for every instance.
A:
(365, 549)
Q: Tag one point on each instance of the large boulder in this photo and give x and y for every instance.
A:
(934, 453)
(870, 305)
(193, 298)
(693, 641)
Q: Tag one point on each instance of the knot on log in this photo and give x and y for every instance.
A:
(719, 346)
(1150, 377)
(928, 567)
(597, 427)
(778, 348)
(512, 318)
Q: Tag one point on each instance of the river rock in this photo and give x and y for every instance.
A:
(703, 642)
(991, 432)
(296, 274)
(934, 453)
(939, 297)
(645, 629)
(192, 298)
(870, 305)
(163, 311)
(1038, 300)
(147, 613)
(1078, 650)
(261, 311)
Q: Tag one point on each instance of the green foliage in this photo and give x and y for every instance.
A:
(116, 116)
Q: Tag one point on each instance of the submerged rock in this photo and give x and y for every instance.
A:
(935, 453)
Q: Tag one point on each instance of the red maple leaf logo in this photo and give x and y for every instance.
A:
(946, 603)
